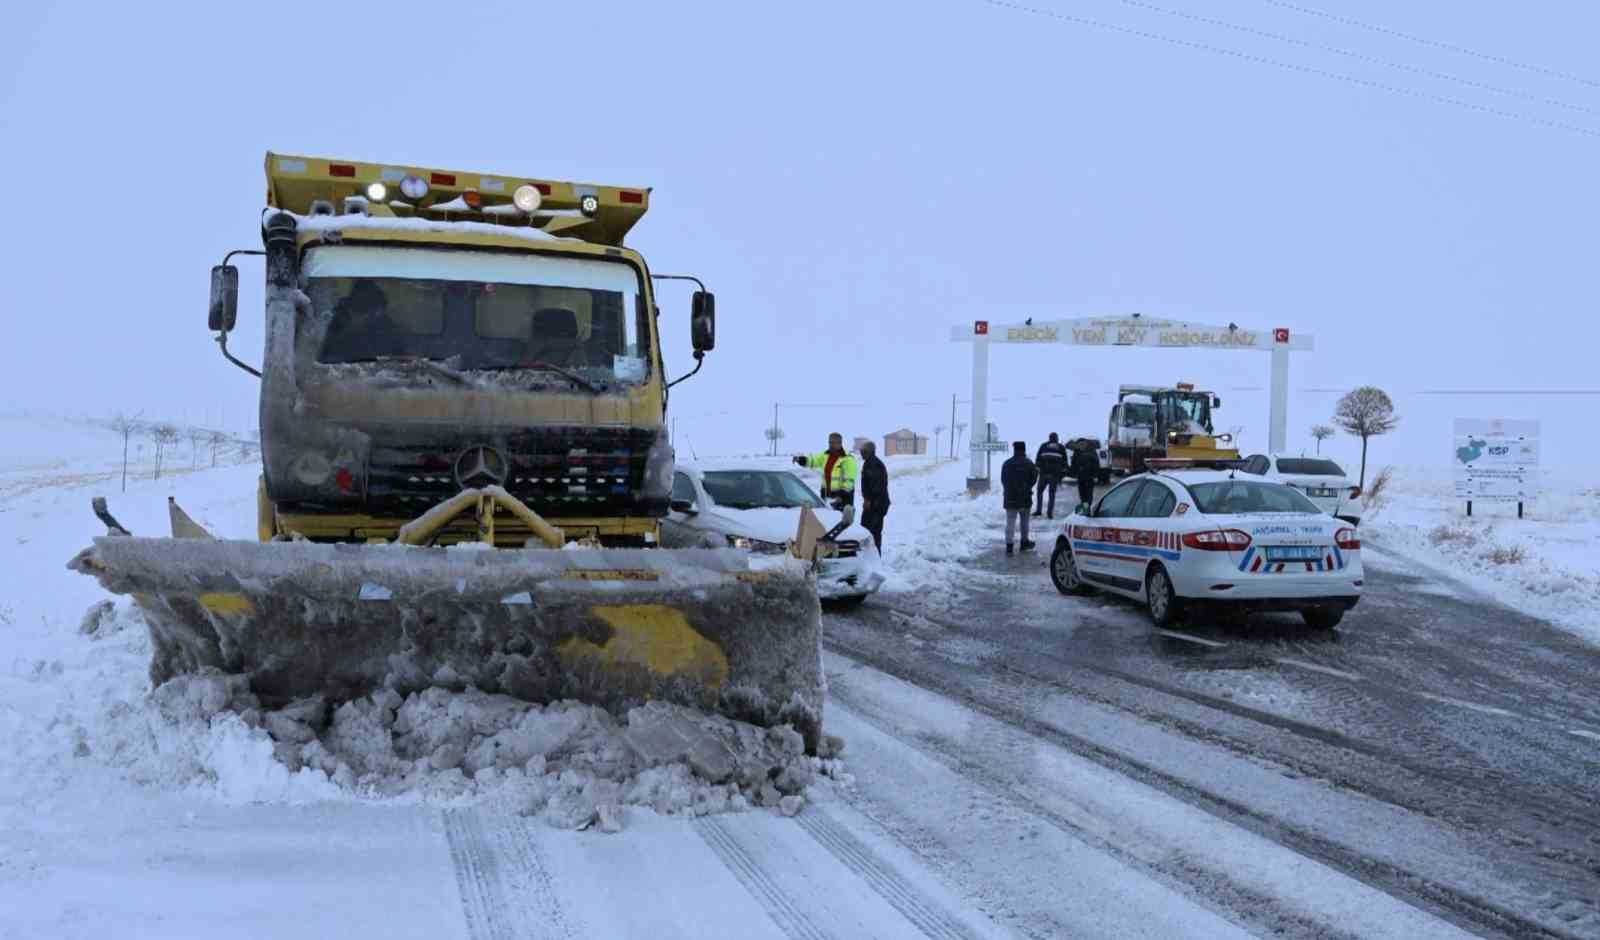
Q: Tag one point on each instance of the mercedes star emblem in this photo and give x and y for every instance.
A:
(479, 467)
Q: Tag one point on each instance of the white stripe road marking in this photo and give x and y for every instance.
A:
(1316, 668)
(1192, 639)
(1486, 709)
(1585, 733)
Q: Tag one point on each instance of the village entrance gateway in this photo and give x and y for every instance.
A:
(1132, 330)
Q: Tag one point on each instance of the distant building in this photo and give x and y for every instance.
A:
(904, 441)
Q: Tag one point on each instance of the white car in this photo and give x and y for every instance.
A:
(1320, 479)
(758, 508)
(1180, 538)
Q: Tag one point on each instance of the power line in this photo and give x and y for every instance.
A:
(1435, 43)
(1358, 56)
(1302, 69)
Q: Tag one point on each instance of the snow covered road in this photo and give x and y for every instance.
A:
(1051, 768)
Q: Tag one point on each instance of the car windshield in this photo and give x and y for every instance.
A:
(1309, 466)
(476, 311)
(758, 489)
(1246, 496)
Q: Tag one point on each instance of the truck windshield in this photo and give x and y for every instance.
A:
(477, 311)
(1138, 414)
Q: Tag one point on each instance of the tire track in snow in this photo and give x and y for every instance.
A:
(506, 890)
(784, 910)
(477, 876)
(855, 855)
(1470, 912)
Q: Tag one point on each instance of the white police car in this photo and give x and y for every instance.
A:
(1181, 536)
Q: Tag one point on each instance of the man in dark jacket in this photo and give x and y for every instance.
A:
(874, 492)
(1086, 467)
(1052, 463)
(1017, 477)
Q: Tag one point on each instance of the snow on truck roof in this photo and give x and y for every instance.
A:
(589, 211)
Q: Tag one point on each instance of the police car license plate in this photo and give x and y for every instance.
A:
(1321, 491)
(1293, 553)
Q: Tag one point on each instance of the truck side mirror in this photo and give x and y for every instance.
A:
(703, 321)
(224, 298)
(684, 506)
(1216, 402)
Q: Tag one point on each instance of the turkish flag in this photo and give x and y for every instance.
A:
(980, 327)
(1280, 335)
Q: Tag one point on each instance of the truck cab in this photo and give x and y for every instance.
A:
(429, 331)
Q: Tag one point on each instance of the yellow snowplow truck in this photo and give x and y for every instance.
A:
(1154, 421)
(457, 358)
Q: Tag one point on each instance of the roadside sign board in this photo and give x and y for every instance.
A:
(1496, 460)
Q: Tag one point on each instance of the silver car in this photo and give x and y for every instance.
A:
(758, 508)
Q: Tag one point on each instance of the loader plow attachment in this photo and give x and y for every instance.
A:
(611, 627)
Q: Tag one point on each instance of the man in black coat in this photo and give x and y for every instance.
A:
(874, 492)
(1086, 467)
(1052, 463)
(1017, 477)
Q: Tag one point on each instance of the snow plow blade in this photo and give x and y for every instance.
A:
(611, 627)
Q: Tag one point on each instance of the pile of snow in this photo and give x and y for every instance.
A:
(1547, 563)
(572, 764)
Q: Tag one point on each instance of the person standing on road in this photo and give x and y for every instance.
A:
(1086, 467)
(874, 492)
(838, 480)
(1017, 476)
(1052, 464)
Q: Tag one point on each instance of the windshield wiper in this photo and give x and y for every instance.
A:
(558, 370)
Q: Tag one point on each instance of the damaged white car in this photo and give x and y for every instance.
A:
(758, 509)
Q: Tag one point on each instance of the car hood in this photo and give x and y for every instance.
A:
(770, 525)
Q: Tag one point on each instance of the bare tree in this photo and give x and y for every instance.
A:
(126, 426)
(217, 439)
(1365, 412)
(165, 436)
(774, 434)
(938, 432)
(197, 437)
(1321, 432)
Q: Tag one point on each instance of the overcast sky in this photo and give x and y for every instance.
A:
(852, 179)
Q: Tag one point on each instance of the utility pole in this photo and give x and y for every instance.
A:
(774, 429)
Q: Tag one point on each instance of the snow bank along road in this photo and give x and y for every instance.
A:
(1047, 768)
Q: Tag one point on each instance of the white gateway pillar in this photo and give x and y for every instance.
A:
(978, 475)
(1278, 418)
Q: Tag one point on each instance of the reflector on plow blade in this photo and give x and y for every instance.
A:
(612, 627)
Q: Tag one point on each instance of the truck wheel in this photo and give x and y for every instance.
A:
(1165, 606)
(1322, 618)
(1064, 571)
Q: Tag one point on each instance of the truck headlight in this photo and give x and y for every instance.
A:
(658, 466)
(311, 469)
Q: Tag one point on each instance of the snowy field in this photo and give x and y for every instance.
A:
(1546, 564)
